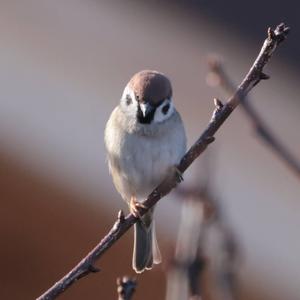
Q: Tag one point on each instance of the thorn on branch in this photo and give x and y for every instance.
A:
(218, 104)
(93, 269)
(87, 270)
(218, 108)
(261, 76)
(81, 275)
(210, 139)
(264, 76)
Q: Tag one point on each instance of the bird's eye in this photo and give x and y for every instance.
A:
(165, 109)
(128, 100)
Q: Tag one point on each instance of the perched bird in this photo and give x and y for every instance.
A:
(145, 140)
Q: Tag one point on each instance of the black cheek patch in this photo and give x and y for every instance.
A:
(145, 119)
(165, 109)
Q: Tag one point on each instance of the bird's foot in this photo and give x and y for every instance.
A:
(134, 206)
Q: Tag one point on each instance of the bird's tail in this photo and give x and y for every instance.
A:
(145, 249)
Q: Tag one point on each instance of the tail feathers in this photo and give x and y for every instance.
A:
(145, 251)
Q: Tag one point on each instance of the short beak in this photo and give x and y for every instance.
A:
(145, 113)
(146, 109)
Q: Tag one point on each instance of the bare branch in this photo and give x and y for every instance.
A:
(219, 116)
(262, 130)
(126, 288)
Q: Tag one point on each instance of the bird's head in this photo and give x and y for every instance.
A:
(148, 97)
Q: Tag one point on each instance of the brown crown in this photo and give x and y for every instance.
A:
(150, 86)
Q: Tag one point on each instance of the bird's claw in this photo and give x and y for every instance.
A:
(134, 206)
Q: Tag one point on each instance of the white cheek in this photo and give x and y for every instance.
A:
(132, 108)
(159, 116)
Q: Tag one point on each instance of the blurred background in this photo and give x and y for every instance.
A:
(63, 67)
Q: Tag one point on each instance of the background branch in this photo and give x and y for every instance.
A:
(221, 113)
(188, 263)
(228, 252)
(221, 78)
(126, 288)
(201, 214)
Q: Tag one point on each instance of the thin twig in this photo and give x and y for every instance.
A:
(126, 288)
(262, 130)
(221, 113)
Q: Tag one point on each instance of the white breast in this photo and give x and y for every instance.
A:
(140, 158)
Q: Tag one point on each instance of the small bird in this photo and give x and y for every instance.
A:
(145, 140)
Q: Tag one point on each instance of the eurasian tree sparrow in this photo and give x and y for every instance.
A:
(145, 139)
